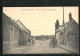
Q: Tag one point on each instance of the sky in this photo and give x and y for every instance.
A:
(41, 20)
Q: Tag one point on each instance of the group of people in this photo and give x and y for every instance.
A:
(53, 42)
(30, 42)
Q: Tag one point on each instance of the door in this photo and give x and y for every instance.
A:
(11, 36)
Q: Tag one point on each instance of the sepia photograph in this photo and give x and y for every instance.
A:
(40, 30)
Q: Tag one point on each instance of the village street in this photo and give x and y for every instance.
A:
(42, 47)
(34, 31)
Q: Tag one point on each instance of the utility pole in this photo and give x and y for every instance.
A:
(55, 31)
(64, 28)
(63, 16)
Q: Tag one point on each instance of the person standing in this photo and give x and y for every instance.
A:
(32, 42)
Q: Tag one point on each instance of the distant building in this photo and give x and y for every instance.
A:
(51, 36)
(68, 33)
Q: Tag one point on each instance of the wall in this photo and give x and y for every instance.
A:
(58, 37)
(23, 37)
(6, 33)
(14, 38)
(9, 40)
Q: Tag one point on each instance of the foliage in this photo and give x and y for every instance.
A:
(57, 24)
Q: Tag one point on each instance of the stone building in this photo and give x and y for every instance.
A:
(68, 33)
(9, 32)
(25, 33)
(13, 34)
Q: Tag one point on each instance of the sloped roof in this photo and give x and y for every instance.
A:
(9, 20)
(22, 26)
(12, 22)
(68, 24)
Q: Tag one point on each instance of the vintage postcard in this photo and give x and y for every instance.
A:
(40, 30)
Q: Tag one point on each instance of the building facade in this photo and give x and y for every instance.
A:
(25, 33)
(68, 33)
(13, 34)
(10, 32)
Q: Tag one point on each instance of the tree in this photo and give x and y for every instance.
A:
(57, 24)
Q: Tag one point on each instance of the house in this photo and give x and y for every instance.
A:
(9, 32)
(13, 33)
(25, 33)
(23, 27)
(68, 33)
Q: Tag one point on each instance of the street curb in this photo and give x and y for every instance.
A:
(72, 52)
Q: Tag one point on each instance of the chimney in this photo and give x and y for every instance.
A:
(14, 20)
(70, 16)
